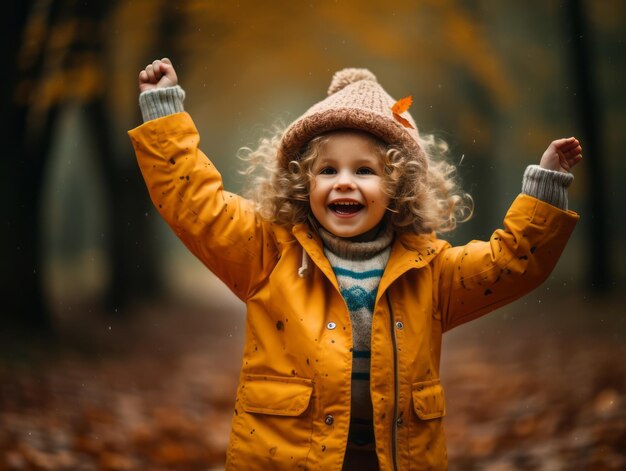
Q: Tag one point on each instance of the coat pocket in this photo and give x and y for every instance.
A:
(425, 441)
(276, 395)
(428, 399)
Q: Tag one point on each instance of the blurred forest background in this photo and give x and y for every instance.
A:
(120, 351)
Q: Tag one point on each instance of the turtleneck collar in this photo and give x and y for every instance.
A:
(352, 250)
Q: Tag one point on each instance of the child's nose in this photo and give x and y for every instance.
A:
(344, 182)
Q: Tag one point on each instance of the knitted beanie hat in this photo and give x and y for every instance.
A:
(355, 101)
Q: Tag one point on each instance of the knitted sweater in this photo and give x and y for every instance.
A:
(358, 267)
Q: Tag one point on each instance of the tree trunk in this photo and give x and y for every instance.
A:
(20, 277)
(590, 121)
(132, 249)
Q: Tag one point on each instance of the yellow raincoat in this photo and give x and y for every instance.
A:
(293, 401)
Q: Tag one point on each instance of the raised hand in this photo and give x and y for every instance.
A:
(562, 154)
(159, 74)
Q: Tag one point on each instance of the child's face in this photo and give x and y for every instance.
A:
(346, 195)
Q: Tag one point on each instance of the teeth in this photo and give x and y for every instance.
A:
(347, 203)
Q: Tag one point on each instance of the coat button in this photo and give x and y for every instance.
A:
(328, 420)
(400, 421)
(399, 325)
(331, 325)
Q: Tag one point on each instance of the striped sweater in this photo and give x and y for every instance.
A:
(359, 267)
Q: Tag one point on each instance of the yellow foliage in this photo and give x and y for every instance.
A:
(470, 47)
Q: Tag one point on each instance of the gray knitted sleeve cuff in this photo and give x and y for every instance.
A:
(160, 102)
(547, 185)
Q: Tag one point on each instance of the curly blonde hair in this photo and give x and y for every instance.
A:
(420, 202)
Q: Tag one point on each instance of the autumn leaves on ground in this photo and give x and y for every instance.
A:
(539, 385)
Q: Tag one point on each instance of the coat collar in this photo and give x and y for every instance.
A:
(408, 251)
(312, 243)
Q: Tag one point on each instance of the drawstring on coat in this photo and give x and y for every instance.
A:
(303, 271)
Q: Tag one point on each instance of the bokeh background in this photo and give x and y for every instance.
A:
(120, 351)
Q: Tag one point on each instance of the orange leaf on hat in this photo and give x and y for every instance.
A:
(404, 122)
(400, 106)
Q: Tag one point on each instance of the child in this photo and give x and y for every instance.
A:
(348, 290)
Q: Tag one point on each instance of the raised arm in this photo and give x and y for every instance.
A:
(219, 227)
(484, 275)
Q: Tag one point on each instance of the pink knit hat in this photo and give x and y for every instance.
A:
(355, 101)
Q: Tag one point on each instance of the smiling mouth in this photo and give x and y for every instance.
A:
(345, 207)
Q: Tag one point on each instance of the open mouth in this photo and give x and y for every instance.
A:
(345, 207)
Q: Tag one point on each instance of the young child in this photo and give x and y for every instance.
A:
(348, 289)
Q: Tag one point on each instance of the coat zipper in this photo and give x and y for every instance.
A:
(394, 424)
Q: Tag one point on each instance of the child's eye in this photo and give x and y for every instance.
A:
(328, 171)
(365, 171)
